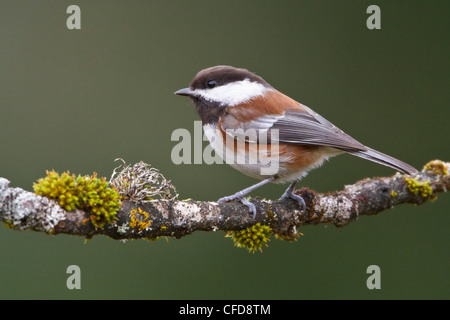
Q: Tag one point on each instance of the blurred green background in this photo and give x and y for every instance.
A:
(78, 99)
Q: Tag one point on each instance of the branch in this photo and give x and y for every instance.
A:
(23, 210)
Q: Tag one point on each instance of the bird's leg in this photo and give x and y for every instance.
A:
(241, 194)
(289, 193)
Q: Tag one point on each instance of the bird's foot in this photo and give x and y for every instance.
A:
(240, 197)
(299, 199)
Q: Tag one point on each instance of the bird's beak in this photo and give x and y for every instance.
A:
(185, 92)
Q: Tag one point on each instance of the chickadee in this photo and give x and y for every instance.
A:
(230, 99)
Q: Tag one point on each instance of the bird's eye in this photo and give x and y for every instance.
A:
(211, 84)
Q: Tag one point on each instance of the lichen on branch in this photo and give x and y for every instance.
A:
(155, 212)
(87, 193)
(141, 183)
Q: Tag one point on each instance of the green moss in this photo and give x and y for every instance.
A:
(58, 187)
(251, 238)
(416, 187)
(83, 192)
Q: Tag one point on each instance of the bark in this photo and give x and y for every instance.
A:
(23, 210)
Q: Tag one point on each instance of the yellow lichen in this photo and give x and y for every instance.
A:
(437, 167)
(393, 194)
(140, 223)
(8, 224)
(416, 187)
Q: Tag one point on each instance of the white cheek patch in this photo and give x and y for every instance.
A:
(233, 93)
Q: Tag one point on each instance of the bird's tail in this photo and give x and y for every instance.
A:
(384, 159)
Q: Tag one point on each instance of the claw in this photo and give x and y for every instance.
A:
(244, 201)
(241, 194)
(290, 194)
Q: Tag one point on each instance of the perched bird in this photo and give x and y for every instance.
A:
(243, 116)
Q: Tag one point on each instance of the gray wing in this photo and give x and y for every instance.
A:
(309, 128)
(293, 126)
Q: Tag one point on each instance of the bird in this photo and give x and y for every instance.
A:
(243, 115)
